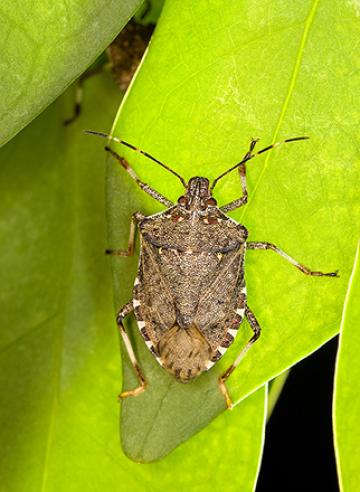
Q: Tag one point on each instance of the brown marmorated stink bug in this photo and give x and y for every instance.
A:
(189, 296)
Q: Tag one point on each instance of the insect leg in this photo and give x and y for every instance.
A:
(136, 217)
(302, 268)
(242, 173)
(254, 325)
(124, 311)
(251, 156)
(150, 191)
(79, 91)
(77, 103)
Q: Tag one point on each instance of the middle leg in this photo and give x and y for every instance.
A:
(302, 268)
(136, 217)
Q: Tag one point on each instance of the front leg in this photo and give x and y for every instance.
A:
(124, 311)
(302, 268)
(242, 173)
(135, 219)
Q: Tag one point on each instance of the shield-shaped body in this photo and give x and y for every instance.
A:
(189, 296)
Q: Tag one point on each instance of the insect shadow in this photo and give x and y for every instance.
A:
(189, 296)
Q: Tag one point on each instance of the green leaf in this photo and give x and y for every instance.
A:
(149, 12)
(56, 337)
(59, 353)
(46, 45)
(346, 391)
(213, 78)
(275, 388)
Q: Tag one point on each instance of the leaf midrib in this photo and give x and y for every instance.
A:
(292, 83)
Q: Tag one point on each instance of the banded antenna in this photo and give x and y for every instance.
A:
(130, 146)
(269, 147)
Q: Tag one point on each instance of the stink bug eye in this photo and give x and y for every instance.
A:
(211, 202)
(189, 296)
(182, 201)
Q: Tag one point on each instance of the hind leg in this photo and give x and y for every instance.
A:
(124, 311)
(254, 325)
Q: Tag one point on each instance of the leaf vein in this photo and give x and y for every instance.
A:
(289, 93)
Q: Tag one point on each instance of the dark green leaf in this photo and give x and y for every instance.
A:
(45, 46)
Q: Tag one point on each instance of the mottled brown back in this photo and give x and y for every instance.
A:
(190, 280)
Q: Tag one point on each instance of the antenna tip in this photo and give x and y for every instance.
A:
(294, 139)
(98, 134)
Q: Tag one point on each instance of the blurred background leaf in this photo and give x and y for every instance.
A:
(217, 74)
(45, 45)
(347, 388)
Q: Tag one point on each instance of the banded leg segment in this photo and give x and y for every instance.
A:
(136, 217)
(145, 187)
(242, 173)
(302, 268)
(79, 90)
(124, 311)
(254, 325)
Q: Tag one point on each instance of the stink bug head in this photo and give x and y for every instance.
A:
(198, 195)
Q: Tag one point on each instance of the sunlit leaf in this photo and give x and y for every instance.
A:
(216, 75)
(347, 388)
